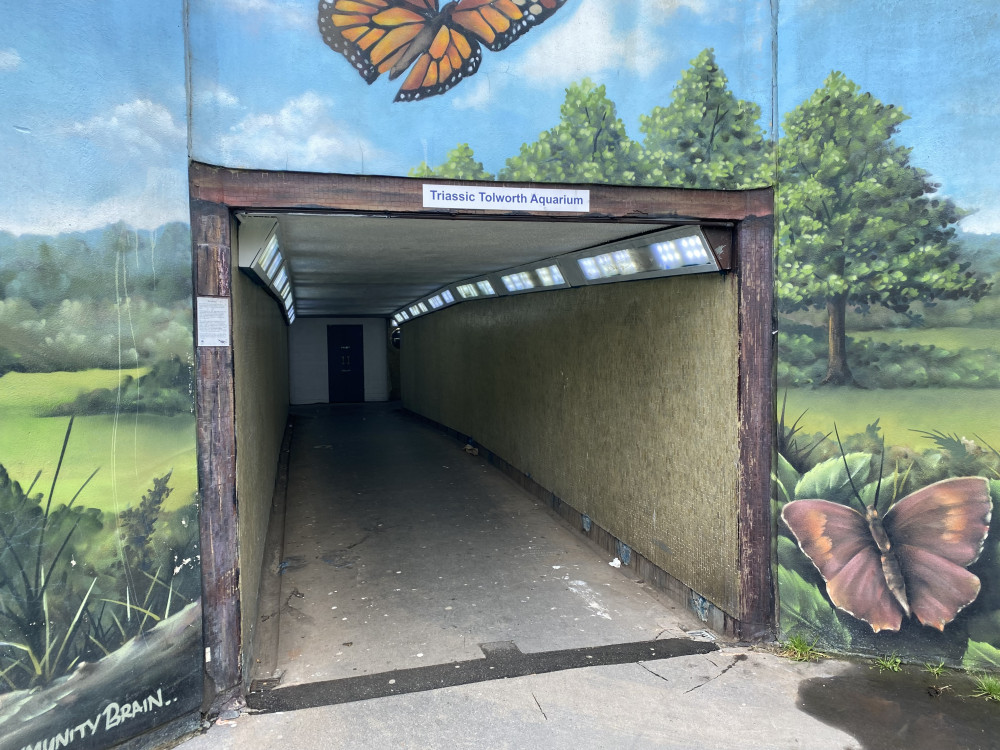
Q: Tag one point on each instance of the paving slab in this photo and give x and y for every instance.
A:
(730, 698)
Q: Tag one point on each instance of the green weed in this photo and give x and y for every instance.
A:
(797, 648)
(934, 670)
(987, 686)
(890, 663)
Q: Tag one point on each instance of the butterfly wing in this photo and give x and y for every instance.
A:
(498, 23)
(455, 53)
(936, 533)
(379, 36)
(838, 541)
(452, 56)
(373, 34)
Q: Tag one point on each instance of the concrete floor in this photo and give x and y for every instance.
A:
(403, 550)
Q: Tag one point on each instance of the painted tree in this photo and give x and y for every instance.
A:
(859, 224)
(461, 164)
(705, 137)
(588, 145)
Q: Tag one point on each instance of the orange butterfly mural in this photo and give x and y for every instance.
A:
(439, 46)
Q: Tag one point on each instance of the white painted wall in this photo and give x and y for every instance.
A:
(308, 374)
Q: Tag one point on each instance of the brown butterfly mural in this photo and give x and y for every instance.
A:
(911, 562)
(440, 43)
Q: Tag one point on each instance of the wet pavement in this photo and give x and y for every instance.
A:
(908, 709)
(426, 601)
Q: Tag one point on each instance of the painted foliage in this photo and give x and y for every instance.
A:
(888, 364)
(100, 622)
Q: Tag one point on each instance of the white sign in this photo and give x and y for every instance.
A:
(213, 321)
(506, 198)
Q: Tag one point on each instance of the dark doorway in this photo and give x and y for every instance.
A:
(346, 362)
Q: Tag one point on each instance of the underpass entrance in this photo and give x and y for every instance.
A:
(640, 413)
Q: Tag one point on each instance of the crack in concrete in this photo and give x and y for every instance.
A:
(655, 674)
(362, 540)
(544, 716)
(736, 659)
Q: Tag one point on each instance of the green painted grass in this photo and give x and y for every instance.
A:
(37, 392)
(951, 339)
(965, 411)
(130, 450)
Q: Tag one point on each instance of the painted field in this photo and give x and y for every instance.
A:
(129, 450)
(35, 392)
(964, 411)
(945, 338)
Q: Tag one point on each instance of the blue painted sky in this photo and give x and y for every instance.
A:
(92, 100)
(93, 94)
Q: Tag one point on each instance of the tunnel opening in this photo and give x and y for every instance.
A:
(622, 408)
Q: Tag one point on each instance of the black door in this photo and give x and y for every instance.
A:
(344, 346)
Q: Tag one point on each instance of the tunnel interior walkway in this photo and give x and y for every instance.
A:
(404, 550)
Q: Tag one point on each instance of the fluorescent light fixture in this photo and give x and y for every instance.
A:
(550, 275)
(269, 266)
(668, 252)
(517, 282)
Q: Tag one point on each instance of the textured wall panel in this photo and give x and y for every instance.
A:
(260, 353)
(621, 399)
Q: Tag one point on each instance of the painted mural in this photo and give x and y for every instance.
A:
(100, 621)
(878, 134)
(880, 141)
(886, 484)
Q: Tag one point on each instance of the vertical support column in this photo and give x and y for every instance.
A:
(216, 434)
(755, 240)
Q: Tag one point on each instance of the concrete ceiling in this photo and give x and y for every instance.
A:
(362, 265)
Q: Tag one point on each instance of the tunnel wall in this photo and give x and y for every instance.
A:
(260, 354)
(621, 399)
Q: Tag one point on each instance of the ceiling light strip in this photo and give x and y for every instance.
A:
(671, 252)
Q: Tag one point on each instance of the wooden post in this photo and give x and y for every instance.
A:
(216, 434)
(755, 241)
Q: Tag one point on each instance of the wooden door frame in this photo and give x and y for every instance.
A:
(217, 193)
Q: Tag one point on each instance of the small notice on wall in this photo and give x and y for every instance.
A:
(506, 198)
(213, 321)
